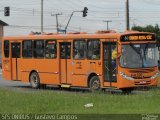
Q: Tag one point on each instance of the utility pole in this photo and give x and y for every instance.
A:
(127, 15)
(41, 16)
(33, 11)
(57, 24)
(107, 21)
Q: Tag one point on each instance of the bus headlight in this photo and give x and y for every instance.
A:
(125, 76)
(154, 76)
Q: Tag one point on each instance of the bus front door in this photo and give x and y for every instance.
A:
(65, 62)
(15, 55)
(109, 62)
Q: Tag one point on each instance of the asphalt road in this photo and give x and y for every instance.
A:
(15, 85)
(26, 87)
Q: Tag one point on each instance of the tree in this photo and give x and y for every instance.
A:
(149, 28)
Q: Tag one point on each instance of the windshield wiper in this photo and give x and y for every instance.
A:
(144, 55)
(146, 47)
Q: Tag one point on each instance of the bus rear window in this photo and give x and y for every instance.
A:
(6, 48)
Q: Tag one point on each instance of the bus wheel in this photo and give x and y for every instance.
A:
(94, 84)
(127, 90)
(34, 80)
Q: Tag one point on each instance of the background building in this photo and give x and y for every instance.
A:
(2, 24)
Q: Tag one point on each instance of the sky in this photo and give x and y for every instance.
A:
(25, 15)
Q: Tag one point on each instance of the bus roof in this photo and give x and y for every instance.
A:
(103, 35)
(64, 36)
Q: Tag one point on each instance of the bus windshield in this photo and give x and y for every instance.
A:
(139, 55)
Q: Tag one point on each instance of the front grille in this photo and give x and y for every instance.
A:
(142, 82)
(149, 70)
(144, 77)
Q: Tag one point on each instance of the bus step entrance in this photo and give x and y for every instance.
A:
(65, 85)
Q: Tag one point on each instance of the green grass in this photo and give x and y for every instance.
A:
(49, 101)
(62, 102)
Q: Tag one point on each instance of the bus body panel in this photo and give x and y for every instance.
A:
(27, 65)
(79, 73)
(6, 68)
(46, 68)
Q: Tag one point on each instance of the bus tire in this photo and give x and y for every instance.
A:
(35, 80)
(94, 84)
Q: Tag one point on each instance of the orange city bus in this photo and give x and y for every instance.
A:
(96, 61)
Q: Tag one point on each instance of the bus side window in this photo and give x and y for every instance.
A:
(27, 49)
(39, 48)
(93, 47)
(6, 48)
(79, 49)
(50, 49)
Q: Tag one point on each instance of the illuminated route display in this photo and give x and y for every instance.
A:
(141, 37)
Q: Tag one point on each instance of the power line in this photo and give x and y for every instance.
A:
(96, 12)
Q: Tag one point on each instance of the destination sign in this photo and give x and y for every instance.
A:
(144, 37)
